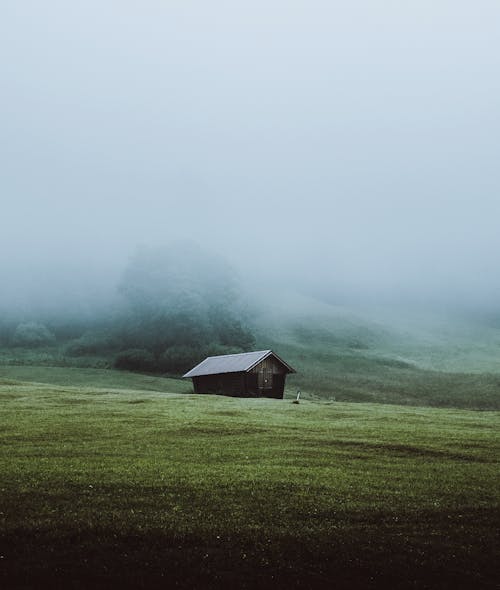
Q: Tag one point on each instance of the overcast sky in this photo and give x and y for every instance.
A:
(334, 144)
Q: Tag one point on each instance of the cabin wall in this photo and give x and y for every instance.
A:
(270, 364)
(267, 379)
(239, 385)
(276, 390)
(225, 383)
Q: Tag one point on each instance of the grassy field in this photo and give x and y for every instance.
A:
(100, 378)
(324, 372)
(108, 480)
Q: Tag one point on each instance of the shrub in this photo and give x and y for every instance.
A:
(89, 343)
(179, 359)
(135, 359)
(31, 334)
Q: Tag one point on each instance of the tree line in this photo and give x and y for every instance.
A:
(174, 306)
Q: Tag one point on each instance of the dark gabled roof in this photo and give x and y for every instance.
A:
(233, 363)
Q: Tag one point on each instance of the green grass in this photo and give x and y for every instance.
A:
(112, 483)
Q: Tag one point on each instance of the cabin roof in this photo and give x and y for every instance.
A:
(233, 363)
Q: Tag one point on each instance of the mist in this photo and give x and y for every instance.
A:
(346, 151)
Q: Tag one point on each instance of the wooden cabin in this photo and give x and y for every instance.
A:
(250, 374)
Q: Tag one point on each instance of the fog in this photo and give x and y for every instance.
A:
(342, 149)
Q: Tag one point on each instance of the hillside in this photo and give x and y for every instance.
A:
(383, 354)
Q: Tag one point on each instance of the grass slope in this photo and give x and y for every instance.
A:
(443, 361)
(103, 488)
(85, 377)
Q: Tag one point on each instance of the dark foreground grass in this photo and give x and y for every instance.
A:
(102, 488)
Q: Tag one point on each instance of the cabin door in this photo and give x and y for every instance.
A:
(265, 378)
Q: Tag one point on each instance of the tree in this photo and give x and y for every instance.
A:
(181, 302)
(29, 334)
